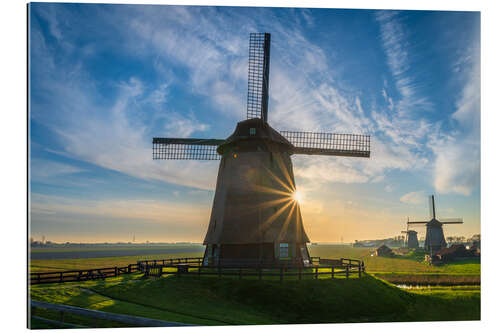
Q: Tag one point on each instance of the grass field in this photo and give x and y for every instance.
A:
(86, 263)
(401, 264)
(408, 269)
(192, 299)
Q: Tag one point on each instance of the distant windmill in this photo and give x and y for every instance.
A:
(255, 214)
(411, 240)
(434, 237)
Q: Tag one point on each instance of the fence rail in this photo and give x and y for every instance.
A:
(81, 275)
(98, 315)
(194, 266)
(347, 268)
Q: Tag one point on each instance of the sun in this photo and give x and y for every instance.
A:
(297, 196)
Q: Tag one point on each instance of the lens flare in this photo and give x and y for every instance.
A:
(297, 196)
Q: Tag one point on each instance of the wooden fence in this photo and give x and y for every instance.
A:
(193, 266)
(81, 275)
(346, 268)
(96, 316)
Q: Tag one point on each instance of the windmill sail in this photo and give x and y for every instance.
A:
(331, 144)
(185, 149)
(258, 75)
(432, 207)
(451, 220)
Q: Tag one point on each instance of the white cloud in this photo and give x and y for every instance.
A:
(414, 198)
(305, 96)
(458, 157)
(399, 52)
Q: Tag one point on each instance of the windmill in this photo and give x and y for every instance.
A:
(434, 236)
(411, 239)
(255, 215)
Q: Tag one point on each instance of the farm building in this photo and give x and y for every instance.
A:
(454, 252)
(384, 251)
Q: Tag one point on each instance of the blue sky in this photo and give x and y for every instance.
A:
(105, 79)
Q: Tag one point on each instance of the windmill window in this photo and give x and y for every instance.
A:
(283, 250)
(253, 131)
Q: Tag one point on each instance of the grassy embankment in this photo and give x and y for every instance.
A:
(212, 301)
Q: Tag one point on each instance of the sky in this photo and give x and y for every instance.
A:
(106, 79)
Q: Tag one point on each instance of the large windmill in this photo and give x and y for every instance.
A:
(255, 215)
(434, 236)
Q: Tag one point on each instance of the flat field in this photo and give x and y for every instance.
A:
(408, 269)
(74, 258)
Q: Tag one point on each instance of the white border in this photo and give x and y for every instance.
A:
(13, 141)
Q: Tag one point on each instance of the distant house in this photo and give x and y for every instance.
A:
(384, 251)
(457, 251)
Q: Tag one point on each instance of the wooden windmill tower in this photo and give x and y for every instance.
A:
(434, 236)
(411, 239)
(255, 218)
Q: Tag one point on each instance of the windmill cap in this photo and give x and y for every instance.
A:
(254, 129)
(434, 223)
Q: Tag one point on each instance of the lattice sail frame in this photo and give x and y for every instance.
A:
(258, 75)
(185, 149)
(311, 143)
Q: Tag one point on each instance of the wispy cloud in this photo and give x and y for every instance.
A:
(305, 94)
(414, 198)
(458, 156)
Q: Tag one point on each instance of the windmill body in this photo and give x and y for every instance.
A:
(254, 215)
(411, 239)
(255, 218)
(434, 236)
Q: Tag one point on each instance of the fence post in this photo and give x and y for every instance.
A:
(61, 276)
(316, 272)
(359, 269)
(333, 272)
(347, 272)
(116, 270)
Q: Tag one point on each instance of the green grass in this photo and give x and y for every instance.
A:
(83, 295)
(40, 265)
(408, 268)
(411, 263)
(430, 279)
(213, 301)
